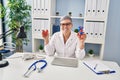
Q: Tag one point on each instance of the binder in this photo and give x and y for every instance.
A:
(42, 6)
(46, 6)
(38, 7)
(103, 7)
(91, 28)
(46, 24)
(86, 29)
(34, 27)
(98, 67)
(93, 8)
(98, 11)
(55, 28)
(101, 30)
(96, 30)
(89, 8)
(34, 7)
(42, 25)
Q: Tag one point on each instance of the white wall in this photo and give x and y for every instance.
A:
(112, 42)
(28, 48)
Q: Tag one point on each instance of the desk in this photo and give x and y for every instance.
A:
(17, 67)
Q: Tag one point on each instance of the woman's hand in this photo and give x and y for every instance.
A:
(81, 38)
(45, 35)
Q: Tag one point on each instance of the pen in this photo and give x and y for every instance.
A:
(95, 66)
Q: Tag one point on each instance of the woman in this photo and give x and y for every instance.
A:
(65, 43)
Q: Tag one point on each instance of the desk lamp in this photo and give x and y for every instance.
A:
(21, 34)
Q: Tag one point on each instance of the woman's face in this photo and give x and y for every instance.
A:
(66, 26)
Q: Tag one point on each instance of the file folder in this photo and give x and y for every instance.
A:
(46, 24)
(38, 7)
(103, 7)
(98, 67)
(34, 7)
(55, 28)
(96, 30)
(98, 13)
(101, 30)
(89, 8)
(93, 8)
(42, 6)
(91, 28)
(34, 27)
(46, 6)
(86, 29)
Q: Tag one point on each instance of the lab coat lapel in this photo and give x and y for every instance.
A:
(61, 38)
(70, 40)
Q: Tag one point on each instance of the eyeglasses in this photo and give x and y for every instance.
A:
(66, 24)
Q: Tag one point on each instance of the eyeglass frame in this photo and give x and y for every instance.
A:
(66, 24)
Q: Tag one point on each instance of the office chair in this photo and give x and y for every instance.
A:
(9, 48)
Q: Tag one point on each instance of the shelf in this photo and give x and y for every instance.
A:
(88, 58)
(41, 17)
(94, 41)
(71, 17)
(94, 19)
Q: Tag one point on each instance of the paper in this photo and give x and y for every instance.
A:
(98, 67)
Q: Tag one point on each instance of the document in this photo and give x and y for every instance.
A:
(98, 67)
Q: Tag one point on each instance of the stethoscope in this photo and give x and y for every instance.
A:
(33, 68)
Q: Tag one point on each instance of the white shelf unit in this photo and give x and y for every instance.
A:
(95, 22)
(94, 12)
(40, 21)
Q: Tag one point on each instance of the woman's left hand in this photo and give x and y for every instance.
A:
(81, 37)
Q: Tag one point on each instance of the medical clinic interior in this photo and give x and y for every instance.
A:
(59, 40)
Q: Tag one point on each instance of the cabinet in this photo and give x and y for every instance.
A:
(91, 14)
(95, 22)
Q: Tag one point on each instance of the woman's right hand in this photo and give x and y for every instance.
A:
(45, 34)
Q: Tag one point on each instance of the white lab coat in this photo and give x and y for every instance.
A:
(69, 49)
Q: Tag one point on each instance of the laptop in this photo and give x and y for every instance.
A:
(67, 62)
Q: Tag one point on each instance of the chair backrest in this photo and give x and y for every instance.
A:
(9, 46)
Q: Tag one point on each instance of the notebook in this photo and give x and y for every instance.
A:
(67, 62)
(98, 67)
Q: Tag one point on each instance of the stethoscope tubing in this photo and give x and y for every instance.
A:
(34, 64)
